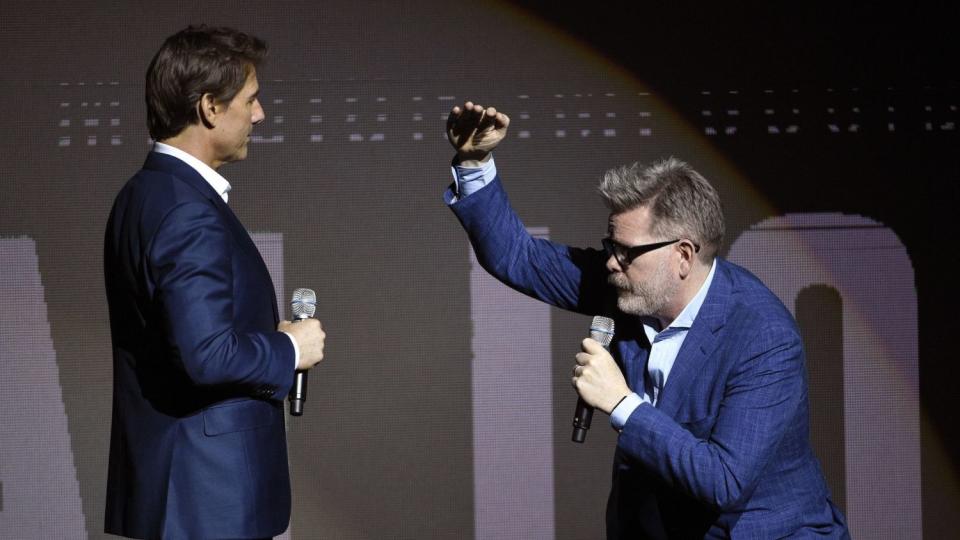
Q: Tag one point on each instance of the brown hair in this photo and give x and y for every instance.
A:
(195, 61)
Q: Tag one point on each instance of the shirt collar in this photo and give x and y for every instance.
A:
(689, 313)
(217, 182)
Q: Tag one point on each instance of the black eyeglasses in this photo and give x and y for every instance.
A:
(626, 254)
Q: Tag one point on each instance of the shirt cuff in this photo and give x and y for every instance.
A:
(620, 415)
(296, 351)
(468, 180)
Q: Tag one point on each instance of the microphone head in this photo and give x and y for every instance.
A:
(601, 330)
(303, 303)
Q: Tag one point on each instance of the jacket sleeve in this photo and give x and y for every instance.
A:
(557, 274)
(190, 261)
(761, 398)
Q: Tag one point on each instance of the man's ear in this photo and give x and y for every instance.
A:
(687, 256)
(207, 111)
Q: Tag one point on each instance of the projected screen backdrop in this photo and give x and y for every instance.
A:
(443, 407)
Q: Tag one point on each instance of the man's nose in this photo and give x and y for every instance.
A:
(613, 265)
(258, 114)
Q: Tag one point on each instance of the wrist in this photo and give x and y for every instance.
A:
(472, 159)
(623, 396)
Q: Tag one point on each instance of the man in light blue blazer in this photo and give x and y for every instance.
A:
(201, 361)
(705, 377)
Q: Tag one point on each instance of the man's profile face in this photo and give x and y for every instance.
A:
(232, 131)
(648, 283)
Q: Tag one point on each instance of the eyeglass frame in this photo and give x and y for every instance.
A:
(625, 255)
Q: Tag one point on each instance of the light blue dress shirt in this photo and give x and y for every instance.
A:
(664, 344)
(664, 347)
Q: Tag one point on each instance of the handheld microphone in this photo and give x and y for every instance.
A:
(601, 331)
(303, 304)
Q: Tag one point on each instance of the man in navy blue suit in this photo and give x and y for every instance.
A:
(705, 377)
(201, 359)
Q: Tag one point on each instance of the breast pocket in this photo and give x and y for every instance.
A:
(238, 416)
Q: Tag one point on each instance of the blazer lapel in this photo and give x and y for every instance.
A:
(701, 341)
(634, 350)
(162, 162)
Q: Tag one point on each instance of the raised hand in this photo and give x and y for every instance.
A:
(475, 131)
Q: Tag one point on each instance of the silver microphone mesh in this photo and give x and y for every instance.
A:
(303, 304)
(601, 330)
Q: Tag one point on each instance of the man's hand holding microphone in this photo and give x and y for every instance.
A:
(303, 305)
(309, 335)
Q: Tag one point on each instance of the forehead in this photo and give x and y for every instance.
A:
(631, 225)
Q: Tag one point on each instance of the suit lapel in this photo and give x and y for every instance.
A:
(634, 350)
(189, 175)
(240, 232)
(701, 341)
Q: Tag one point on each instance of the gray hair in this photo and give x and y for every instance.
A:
(682, 202)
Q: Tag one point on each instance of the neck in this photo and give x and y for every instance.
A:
(688, 288)
(192, 141)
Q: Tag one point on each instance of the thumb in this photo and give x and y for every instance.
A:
(590, 345)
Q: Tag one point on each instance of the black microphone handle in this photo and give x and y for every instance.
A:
(298, 393)
(581, 421)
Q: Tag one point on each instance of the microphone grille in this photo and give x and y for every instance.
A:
(601, 330)
(303, 303)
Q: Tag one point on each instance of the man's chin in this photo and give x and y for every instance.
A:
(625, 305)
(632, 305)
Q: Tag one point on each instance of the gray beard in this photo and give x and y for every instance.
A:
(647, 299)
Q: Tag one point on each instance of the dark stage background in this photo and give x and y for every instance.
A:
(443, 408)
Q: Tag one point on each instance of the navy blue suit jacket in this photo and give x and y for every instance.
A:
(197, 447)
(725, 452)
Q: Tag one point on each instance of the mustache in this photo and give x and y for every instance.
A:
(619, 281)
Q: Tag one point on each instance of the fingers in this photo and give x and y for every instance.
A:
(474, 114)
(310, 339)
(463, 123)
(453, 117)
(582, 358)
(475, 130)
(491, 119)
(590, 345)
(487, 118)
(591, 354)
(502, 121)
